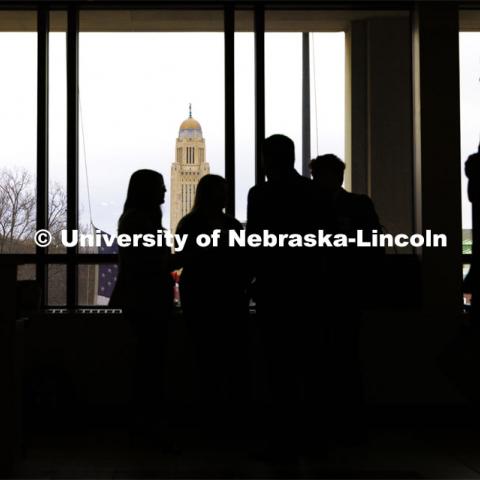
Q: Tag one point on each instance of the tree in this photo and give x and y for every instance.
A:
(18, 226)
(57, 212)
(17, 209)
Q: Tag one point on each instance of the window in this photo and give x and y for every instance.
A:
(151, 94)
(57, 151)
(144, 80)
(284, 97)
(244, 110)
(138, 77)
(18, 131)
(469, 44)
(469, 107)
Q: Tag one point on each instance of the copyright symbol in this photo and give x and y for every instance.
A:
(42, 238)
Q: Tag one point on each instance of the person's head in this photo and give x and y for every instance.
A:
(146, 190)
(472, 171)
(211, 194)
(327, 171)
(278, 156)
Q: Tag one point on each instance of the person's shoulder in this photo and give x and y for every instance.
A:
(258, 193)
(304, 186)
(137, 221)
(232, 223)
(131, 219)
(127, 215)
(186, 222)
(307, 183)
(362, 206)
(364, 201)
(300, 180)
(304, 180)
(256, 189)
(357, 198)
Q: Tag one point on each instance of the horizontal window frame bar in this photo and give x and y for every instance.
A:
(58, 259)
(107, 258)
(213, 5)
(100, 309)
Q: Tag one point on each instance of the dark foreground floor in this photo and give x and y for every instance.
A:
(394, 453)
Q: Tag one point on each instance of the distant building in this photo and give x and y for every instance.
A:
(189, 167)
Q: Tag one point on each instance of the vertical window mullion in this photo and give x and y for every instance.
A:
(72, 150)
(259, 19)
(306, 104)
(229, 52)
(42, 143)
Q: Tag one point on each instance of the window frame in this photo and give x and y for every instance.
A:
(72, 258)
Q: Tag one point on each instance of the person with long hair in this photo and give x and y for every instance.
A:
(214, 302)
(144, 291)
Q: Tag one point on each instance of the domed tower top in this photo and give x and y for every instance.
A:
(190, 128)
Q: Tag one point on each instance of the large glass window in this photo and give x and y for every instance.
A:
(137, 88)
(18, 131)
(151, 93)
(470, 128)
(57, 151)
(244, 111)
(285, 99)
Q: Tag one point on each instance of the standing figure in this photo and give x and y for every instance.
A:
(284, 204)
(144, 291)
(347, 280)
(213, 296)
(471, 285)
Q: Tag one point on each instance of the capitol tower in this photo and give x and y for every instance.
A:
(189, 167)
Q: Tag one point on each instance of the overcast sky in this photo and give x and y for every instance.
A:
(135, 89)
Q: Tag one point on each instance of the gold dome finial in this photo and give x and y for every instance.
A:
(190, 128)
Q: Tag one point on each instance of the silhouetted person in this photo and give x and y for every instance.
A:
(471, 285)
(144, 291)
(346, 281)
(344, 212)
(283, 204)
(213, 296)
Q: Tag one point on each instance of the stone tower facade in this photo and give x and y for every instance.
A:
(189, 167)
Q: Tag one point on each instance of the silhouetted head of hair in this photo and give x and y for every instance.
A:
(472, 171)
(327, 170)
(146, 191)
(278, 155)
(211, 194)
